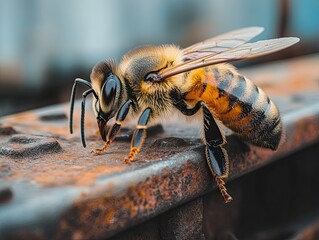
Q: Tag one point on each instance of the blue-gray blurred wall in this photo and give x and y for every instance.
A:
(41, 37)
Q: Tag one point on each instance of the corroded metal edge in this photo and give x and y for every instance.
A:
(118, 201)
(176, 180)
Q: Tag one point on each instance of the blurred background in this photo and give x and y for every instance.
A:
(45, 45)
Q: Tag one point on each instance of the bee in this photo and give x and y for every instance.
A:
(153, 81)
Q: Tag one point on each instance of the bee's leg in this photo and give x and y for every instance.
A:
(216, 155)
(114, 130)
(139, 135)
(84, 95)
(181, 105)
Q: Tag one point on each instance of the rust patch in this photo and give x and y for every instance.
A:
(306, 128)
(104, 216)
(5, 170)
(76, 166)
(7, 130)
(73, 176)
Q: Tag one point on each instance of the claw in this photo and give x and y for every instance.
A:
(223, 190)
(131, 156)
(99, 151)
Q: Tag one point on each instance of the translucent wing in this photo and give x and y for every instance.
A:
(221, 42)
(207, 56)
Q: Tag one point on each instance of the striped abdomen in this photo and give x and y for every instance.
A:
(241, 106)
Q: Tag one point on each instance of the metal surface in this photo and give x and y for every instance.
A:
(52, 187)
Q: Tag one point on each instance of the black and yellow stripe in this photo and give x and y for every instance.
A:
(259, 120)
(241, 106)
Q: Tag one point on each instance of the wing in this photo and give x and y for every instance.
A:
(196, 57)
(222, 42)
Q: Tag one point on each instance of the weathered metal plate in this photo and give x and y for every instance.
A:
(52, 187)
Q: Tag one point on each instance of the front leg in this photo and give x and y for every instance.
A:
(113, 131)
(139, 134)
(216, 155)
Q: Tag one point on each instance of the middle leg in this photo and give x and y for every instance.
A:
(139, 135)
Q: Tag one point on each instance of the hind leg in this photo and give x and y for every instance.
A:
(216, 155)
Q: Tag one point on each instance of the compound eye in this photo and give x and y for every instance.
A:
(110, 93)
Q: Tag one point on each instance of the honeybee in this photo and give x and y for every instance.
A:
(152, 81)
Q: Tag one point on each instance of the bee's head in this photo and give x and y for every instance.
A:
(108, 93)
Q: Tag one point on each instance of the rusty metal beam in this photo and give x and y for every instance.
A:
(50, 187)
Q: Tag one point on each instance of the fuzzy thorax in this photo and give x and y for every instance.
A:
(140, 62)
